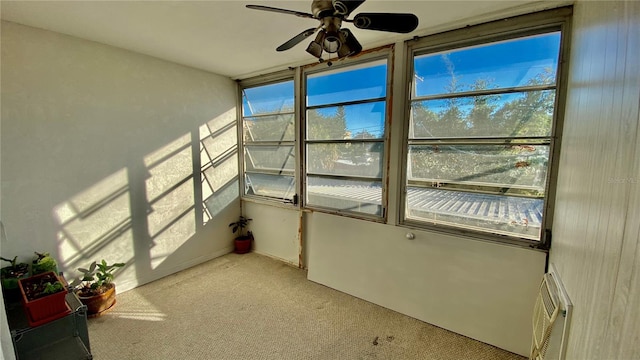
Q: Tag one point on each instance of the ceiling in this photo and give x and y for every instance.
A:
(226, 38)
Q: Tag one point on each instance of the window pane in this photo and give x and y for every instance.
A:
(524, 61)
(346, 195)
(506, 215)
(273, 158)
(347, 159)
(523, 114)
(346, 142)
(520, 166)
(274, 98)
(351, 84)
(275, 186)
(270, 128)
(360, 121)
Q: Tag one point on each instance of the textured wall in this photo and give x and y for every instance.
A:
(597, 223)
(105, 153)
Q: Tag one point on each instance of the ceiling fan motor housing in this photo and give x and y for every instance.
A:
(322, 8)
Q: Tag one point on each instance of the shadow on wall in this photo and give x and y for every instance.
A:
(146, 213)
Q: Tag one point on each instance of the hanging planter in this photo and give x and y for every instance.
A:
(43, 298)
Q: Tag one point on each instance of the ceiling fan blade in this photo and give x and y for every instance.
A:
(400, 23)
(282, 11)
(296, 39)
(345, 7)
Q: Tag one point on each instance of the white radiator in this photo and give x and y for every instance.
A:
(551, 319)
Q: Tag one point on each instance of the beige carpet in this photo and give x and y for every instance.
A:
(253, 307)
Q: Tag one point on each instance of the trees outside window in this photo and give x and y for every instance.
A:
(345, 122)
(480, 135)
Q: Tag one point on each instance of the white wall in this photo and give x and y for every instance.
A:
(482, 290)
(6, 346)
(596, 243)
(102, 154)
(275, 230)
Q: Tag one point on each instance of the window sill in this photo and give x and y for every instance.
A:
(270, 202)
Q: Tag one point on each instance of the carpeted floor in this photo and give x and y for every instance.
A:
(253, 307)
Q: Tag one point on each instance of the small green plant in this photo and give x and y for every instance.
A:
(50, 288)
(96, 279)
(42, 285)
(240, 225)
(42, 263)
(11, 274)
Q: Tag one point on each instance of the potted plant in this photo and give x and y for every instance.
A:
(43, 298)
(95, 287)
(42, 263)
(242, 243)
(10, 276)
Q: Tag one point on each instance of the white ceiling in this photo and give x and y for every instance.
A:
(226, 38)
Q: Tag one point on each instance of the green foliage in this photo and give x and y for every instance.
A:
(43, 262)
(42, 285)
(96, 276)
(50, 288)
(519, 115)
(11, 274)
(326, 127)
(240, 225)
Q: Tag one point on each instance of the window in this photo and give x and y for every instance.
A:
(268, 122)
(344, 136)
(481, 133)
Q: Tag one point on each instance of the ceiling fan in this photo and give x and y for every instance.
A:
(334, 39)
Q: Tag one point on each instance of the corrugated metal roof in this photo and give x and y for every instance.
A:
(477, 206)
(503, 209)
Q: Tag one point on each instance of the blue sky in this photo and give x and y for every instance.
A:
(504, 64)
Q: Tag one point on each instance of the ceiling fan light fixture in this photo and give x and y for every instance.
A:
(331, 26)
(331, 43)
(315, 47)
(350, 46)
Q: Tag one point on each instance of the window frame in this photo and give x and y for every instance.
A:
(485, 34)
(264, 80)
(381, 53)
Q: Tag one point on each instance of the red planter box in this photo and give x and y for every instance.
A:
(48, 308)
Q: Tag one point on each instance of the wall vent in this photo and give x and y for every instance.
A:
(551, 318)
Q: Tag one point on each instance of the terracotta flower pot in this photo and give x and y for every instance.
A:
(98, 304)
(242, 244)
(42, 309)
